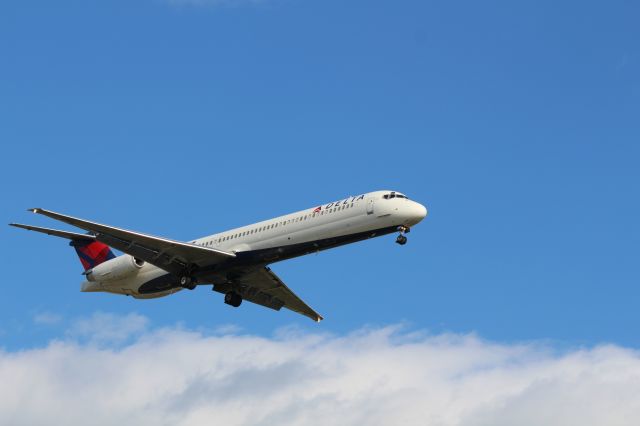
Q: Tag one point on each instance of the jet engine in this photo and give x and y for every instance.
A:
(115, 269)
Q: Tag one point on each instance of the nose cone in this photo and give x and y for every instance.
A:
(416, 213)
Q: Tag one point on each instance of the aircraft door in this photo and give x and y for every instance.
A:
(370, 206)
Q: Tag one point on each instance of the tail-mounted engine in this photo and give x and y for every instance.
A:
(115, 269)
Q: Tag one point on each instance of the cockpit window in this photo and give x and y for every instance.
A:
(393, 195)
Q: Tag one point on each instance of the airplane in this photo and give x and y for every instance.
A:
(236, 261)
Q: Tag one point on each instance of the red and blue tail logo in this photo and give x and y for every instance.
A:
(92, 253)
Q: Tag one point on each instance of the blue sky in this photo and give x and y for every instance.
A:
(516, 123)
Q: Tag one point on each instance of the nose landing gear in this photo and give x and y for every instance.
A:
(402, 240)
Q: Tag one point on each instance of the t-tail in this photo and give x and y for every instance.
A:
(91, 252)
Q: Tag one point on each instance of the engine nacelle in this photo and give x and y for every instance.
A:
(115, 269)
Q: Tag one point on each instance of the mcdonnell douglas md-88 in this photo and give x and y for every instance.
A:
(235, 261)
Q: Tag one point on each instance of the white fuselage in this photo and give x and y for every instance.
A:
(309, 230)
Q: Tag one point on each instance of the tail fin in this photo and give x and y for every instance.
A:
(91, 253)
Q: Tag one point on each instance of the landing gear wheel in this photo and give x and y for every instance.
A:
(187, 282)
(233, 299)
(402, 240)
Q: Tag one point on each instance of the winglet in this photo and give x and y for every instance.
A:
(35, 210)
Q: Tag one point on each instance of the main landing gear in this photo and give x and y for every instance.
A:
(232, 298)
(187, 282)
(402, 239)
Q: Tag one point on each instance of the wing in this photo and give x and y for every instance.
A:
(263, 287)
(172, 256)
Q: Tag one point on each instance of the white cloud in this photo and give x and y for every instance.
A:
(373, 377)
(47, 318)
(107, 329)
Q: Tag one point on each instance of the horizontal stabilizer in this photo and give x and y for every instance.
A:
(63, 234)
